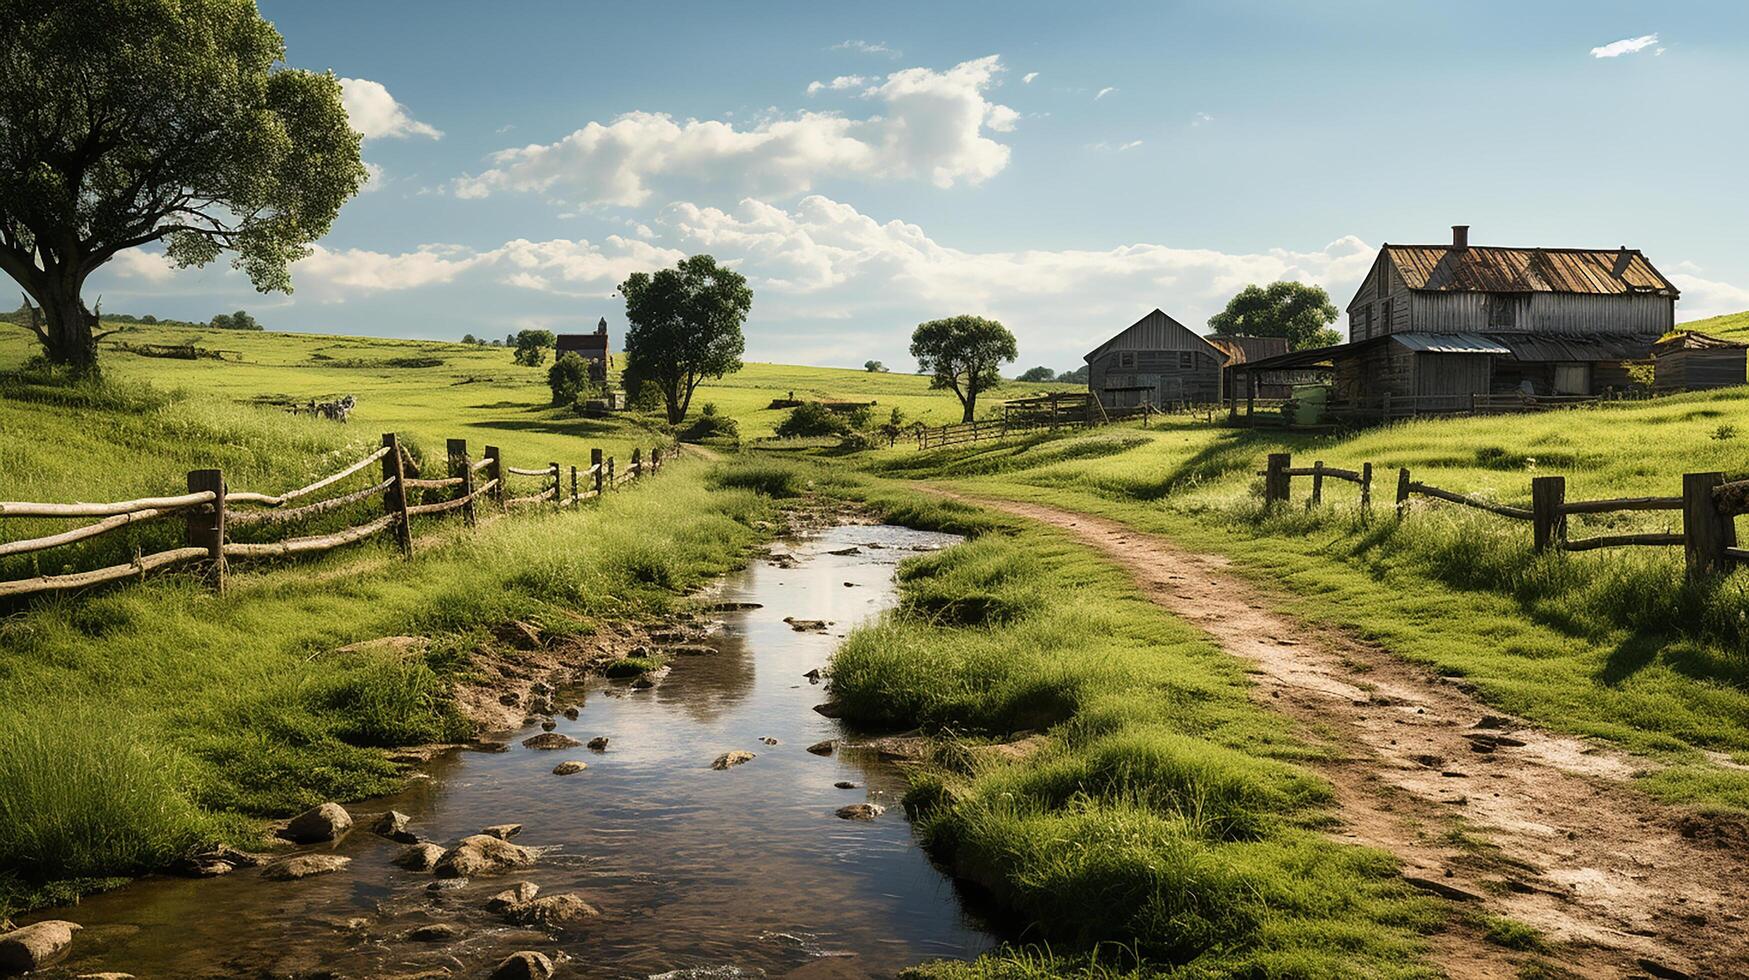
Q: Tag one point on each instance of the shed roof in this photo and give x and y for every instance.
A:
(1449, 343)
(1240, 348)
(582, 342)
(1695, 340)
(1490, 269)
(1577, 347)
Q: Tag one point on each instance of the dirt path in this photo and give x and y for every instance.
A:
(1481, 808)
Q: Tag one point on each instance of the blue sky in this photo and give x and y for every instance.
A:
(1063, 167)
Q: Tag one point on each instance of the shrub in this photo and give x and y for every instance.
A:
(569, 379)
(710, 425)
(812, 419)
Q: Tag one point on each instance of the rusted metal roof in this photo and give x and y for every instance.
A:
(1695, 340)
(1482, 268)
(1449, 343)
(1240, 348)
(1577, 347)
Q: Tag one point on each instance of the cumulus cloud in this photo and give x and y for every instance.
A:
(1627, 45)
(375, 113)
(373, 177)
(139, 264)
(930, 125)
(1702, 298)
(1027, 78)
(331, 275)
(867, 47)
(839, 84)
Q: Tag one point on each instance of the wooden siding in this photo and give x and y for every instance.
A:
(1162, 372)
(1452, 374)
(1564, 313)
(1371, 372)
(1396, 294)
(1694, 370)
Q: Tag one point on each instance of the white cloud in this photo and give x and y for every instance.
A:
(138, 264)
(1104, 92)
(373, 177)
(867, 47)
(839, 84)
(1105, 147)
(1702, 298)
(1627, 45)
(930, 126)
(332, 275)
(376, 114)
(1027, 78)
(1201, 119)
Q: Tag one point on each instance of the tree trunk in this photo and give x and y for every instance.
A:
(70, 327)
(970, 404)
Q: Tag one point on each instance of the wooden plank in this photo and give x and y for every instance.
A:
(275, 501)
(1549, 522)
(1516, 513)
(596, 467)
(307, 510)
(306, 545)
(458, 464)
(1621, 503)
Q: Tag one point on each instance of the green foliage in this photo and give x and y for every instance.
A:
(685, 327)
(711, 425)
(532, 346)
(874, 367)
(239, 320)
(568, 379)
(813, 419)
(1076, 376)
(130, 123)
(765, 478)
(1040, 373)
(1298, 311)
(963, 354)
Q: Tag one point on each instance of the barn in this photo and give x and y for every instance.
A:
(592, 347)
(1691, 361)
(1155, 361)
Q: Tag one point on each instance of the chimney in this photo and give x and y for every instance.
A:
(1460, 237)
(601, 328)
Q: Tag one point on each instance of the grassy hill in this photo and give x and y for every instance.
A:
(1732, 325)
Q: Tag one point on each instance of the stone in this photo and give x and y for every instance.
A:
(483, 854)
(643, 682)
(550, 740)
(806, 625)
(861, 811)
(437, 932)
(524, 965)
(108, 975)
(304, 866)
(844, 784)
(502, 831)
(571, 712)
(220, 860)
(520, 893)
(547, 725)
(420, 857)
(598, 743)
(35, 946)
(569, 767)
(691, 650)
(447, 885)
(852, 550)
(768, 740)
(510, 698)
(393, 825)
(823, 748)
(553, 910)
(830, 709)
(328, 822)
(814, 675)
(519, 634)
(731, 759)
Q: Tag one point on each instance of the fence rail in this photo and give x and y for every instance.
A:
(1709, 505)
(210, 509)
(1070, 410)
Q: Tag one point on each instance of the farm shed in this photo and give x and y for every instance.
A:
(1157, 361)
(1691, 361)
(1242, 349)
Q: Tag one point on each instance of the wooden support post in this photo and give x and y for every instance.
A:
(1707, 532)
(1402, 492)
(595, 462)
(496, 472)
(206, 525)
(558, 488)
(637, 462)
(1276, 483)
(395, 497)
(610, 476)
(1250, 396)
(1317, 483)
(1549, 525)
(574, 496)
(655, 458)
(460, 465)
(1365, 487)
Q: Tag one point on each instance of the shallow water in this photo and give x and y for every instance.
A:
(743, 872)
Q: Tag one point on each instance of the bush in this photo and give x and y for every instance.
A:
(531, 346)
(812, 419)
(569, 379)
(710, 425)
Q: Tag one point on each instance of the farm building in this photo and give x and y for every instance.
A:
(1156, 361)
(1436, 326)
(1691, 361)
(1243, 349)
(592, 347)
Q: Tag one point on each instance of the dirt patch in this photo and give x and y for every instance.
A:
(1529, 824)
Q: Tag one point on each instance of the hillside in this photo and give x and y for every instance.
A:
(1732, 325)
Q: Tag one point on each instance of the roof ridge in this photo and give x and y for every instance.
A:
(1524, 248)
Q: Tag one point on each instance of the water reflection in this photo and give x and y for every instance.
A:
(706, 873)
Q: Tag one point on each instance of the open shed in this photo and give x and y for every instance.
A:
(1691, 361)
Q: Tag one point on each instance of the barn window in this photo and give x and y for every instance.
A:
(1186, 360)
(1126, 359)
(1502, 311)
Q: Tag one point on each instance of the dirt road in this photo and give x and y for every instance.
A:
(1482, 809)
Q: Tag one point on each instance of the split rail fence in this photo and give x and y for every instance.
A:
(211, 509)
(1063, 410)
(1709, 504)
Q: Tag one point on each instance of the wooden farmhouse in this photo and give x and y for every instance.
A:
(1436, 326)
(1155, 361)
(1691, 361)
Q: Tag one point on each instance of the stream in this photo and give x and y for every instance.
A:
(697, 873)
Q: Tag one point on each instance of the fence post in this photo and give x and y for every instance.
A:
(496, 469)
(655, 458)
(558, 488)
(459, 465)
(599, 467)
(1365, 487)
(610, 476)
(637, 462)
(1547, 494)
(1317, 483)
(206, 526)
(1276, 483)
(395, 497)
(574, 496)
(1402, 490)
(1707, 531)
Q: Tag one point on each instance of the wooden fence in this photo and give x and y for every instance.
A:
(211, 509)
(1065, 410)
(1709, 504)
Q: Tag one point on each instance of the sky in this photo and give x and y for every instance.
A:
(1064, 168)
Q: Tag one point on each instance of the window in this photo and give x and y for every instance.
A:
(1502, 311)
(1186, 360)
(1126, 359)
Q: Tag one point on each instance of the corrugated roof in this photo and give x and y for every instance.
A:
(1240, 348)
(1449, 343)
(1483, 268)
(1695, 340)
(1577, 347)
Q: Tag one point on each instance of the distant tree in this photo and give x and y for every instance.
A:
(684, 325)
(874, 367)
(148, 318)
(239, 320)
(1036, 374)
(510, 340)
(1298, 311)
(569, 378)
(812, 419)
(1076, 376)
(124, 123)
(531, 346)
(963, 354)
(468, 338)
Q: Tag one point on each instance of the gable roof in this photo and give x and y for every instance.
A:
(1240, 348)
(582, 342)
(1490, 269)
(1151, 332)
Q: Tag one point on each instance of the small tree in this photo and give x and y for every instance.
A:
(684, 327)
(531, 346)
(124, 123)
(1037, 374)
(874, 367)
(1300, 312)
(569, 378)
(963, 354)
(239, 320)
(468, 338)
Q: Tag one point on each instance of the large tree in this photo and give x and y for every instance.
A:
(1300, 312)
(963, 354)
(684, 327)
(128, 122)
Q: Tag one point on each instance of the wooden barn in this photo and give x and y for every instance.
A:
(1691, 361)
(1243, 349)
(1156, 361)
